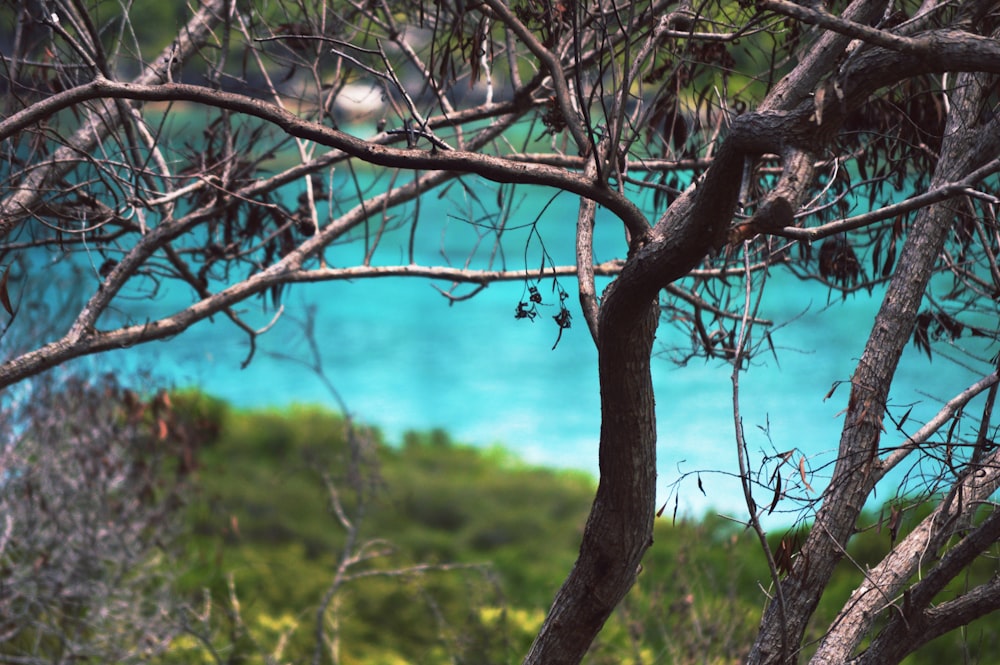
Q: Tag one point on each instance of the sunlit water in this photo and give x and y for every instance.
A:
(403, 358)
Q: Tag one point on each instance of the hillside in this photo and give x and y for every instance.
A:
(429, 551)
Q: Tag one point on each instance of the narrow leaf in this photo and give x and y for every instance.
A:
(894, 522)
(777, 496)
(802, 473)
(904, 418)
(770, 344)
(4, 297)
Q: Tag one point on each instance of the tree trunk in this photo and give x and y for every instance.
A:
(620, 527)
(964, 148)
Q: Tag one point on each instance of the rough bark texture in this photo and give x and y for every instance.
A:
(856, 471)
(694, 225)
(620, 527)
(914, 621)
(967, 145)
(853, 479)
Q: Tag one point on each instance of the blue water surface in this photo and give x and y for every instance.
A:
(403, 357)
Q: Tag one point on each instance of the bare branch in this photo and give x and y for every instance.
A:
(946, 414)
(817, 15)
(15, 207)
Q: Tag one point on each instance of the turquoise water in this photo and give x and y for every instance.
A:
(403, 358)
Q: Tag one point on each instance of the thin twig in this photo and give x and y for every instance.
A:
(739, 355)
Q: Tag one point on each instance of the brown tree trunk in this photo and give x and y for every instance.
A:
(620, 527)
(965, 147)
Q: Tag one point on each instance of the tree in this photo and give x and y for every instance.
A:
(92, 478)
(724, 138)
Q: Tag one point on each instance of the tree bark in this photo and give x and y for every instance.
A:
(620, 527)
(965, 147)
(914, 622)
(693, 226)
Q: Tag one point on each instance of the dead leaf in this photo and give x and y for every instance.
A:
(4, 296)
(777, 496)
(895, 520)
(818, 100)
(783, 557)
(802, 473)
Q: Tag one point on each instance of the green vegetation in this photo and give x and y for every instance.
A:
(458, 553)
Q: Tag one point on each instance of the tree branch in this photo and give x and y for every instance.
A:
(553, 66)
(497, 169)
(18, 205)
(919, 548)
(86, 341)
(816, 14)
(943, 416)
(916, 622)
(585, 257)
